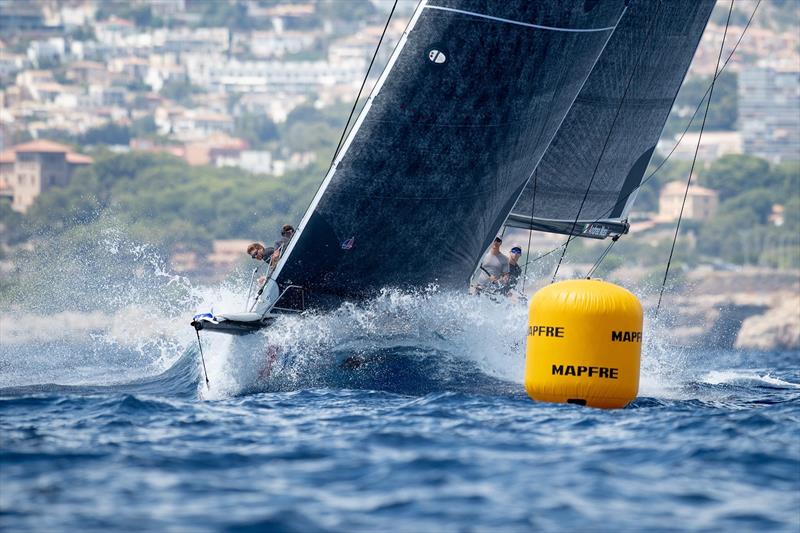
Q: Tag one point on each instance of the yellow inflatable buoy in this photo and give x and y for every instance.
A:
(584, 344)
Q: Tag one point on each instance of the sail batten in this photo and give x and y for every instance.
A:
(517, 22)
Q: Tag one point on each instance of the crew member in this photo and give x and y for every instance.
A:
(494, 265)
(258, 252)
(514, 270)
(287, 232)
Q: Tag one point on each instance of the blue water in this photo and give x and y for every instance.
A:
(431, 432)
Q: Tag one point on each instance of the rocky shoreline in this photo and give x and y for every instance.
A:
(750, 309)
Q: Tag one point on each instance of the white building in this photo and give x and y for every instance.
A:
(713, 145)
(769, 111)
(270, 44)
(46, 52)
(10, 64)
(233, 76)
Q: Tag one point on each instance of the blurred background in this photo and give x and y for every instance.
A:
(193, 127)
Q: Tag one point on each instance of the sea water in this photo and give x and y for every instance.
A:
(404, 413)
(430, 430)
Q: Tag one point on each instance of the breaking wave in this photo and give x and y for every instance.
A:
(108, 313)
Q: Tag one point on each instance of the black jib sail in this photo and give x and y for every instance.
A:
(610, 133)
(471, 98)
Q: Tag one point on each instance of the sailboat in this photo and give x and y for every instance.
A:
(538, 115)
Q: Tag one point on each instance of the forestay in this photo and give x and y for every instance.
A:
(611, 131)
(471, 98)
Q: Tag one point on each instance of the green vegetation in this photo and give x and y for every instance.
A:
(163, 201)
(722, 114)
(741, 232)
(180, 92)
(257, 130)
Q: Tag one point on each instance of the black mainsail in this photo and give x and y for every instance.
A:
(469, 102)
(608, 137)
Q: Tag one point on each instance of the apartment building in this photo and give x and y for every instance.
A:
(31, 168)
(701, 203)
(769, 111)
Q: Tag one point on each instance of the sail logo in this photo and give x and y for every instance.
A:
(626, 336)
(348, 244)
(596, 230)
(437, 56)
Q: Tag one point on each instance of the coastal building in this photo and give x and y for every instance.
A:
(293, 77)
(6, 192)
(10, 64)
(271, 44)
(227, 252)
(769, 111)
(713, 145)
(34, 167)
(701, 203)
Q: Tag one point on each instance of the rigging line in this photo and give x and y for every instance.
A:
(694, 160)
(699, 105)
(202, 357)
(554, 250)
(543, 126)
(563, 118)
(363, 83)
(602, 257)
(608, 138)
(530, 231)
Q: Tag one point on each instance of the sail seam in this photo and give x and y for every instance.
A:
(518, 23)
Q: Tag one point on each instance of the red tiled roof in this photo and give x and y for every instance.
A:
(79, 159)
(42, 146)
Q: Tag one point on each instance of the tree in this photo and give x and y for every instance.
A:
(256, 129)
(731, 175)
(109, 134)
(143, 126)
(788, 172)
(722, 113)
(12, 227)
(758, 202)
(179, 91)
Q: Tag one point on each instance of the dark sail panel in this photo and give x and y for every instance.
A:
(469, 103)
(615, 122)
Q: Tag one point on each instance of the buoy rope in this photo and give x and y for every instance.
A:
(694, 160)
(699, 104)
(361, 89)
(605, 144)
(677, 143)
